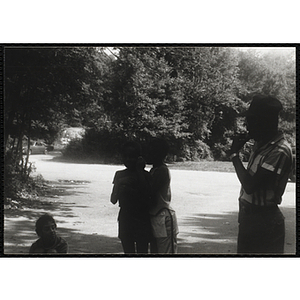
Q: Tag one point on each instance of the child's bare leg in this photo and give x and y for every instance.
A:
(128, 246)
(142, 247)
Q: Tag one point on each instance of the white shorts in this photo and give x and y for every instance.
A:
(165, 230)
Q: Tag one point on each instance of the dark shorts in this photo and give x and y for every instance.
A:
(261, 230)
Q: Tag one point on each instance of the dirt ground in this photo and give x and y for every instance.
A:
(205, 203)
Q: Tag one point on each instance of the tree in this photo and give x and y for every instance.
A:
(272, 73)
(208, 83)
(191, 96)
(144, 100)
(45, 89)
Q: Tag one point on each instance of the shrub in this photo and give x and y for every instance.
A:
(102, 147)
(220, 151)
(193, 151)
(74, 149)
(18, 184)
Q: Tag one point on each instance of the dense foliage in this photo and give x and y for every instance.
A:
(191, 96)
(46, 89)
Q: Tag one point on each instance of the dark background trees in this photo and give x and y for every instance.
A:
(191, 96)
(46, 89)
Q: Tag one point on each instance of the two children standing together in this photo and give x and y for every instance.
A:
(145, 215)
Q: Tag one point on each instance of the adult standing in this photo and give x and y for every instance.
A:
(261, 223)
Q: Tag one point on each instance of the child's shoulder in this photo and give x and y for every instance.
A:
(121, 173)
(61, 245)
(61, 240)
(124, 171)
(37, 242)
(162, 170)
(164, 166)
(36, 245)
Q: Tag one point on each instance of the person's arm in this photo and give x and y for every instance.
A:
(31, 249)
(64, 247)
(250, 183)
(114, 195)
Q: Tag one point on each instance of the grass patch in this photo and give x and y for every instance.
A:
(212, 166)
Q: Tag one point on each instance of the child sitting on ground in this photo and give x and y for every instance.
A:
(134, 201)
(49, 241)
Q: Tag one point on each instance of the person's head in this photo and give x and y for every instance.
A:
(157, 151)
(262, 117)
(45, 227)
(130, 153)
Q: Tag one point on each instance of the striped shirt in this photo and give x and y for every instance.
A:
(275, 156)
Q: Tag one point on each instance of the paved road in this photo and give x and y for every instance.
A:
(205, 202)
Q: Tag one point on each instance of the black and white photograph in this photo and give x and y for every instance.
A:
(149, 150)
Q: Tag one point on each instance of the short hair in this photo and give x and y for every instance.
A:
(265, 105)
(267, 109)
(134, 145)
(41, 222)
(161, 146)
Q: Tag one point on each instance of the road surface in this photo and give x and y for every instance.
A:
(205, 203)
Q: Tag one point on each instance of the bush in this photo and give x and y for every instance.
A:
(18, 184)
(105, 147)
(220, 151)
(193, 151)
(74, 149)
(201, 151)
(102, 147)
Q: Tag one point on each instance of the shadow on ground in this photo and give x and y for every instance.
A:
(20, 218)
(19, 237)
(200, 234)
(208, 234)
(213, 234)
(54, 190)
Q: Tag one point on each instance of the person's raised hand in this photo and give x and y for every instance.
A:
(238, 142)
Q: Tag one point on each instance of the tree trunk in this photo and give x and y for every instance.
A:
(27, 156)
